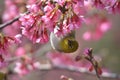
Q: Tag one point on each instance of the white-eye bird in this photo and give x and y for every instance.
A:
(66, 44)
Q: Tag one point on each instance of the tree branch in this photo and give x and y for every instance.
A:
(14, 19)
(74, 69)
(11, 21)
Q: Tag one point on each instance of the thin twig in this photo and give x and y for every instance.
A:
(14, 19)
(94, 63)
(11, 21)
(96, 70)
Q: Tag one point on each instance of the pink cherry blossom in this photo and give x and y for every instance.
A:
(26, 65)
(87, 36)
(116, 7)
(33, 8)
(6, 41)
(38, 22)
(98, 4)
(20, 51)
(98, 25)
(21, 69)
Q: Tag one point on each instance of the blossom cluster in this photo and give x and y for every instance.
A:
(111, 6)
(58, 16)
(63, 16)
(47, 16)
(5, 42)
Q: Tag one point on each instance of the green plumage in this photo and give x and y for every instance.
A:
(66, 44)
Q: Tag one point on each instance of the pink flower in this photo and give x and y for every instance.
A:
(68, 25)
(31, 1)
(116, 7)
(87, 35)
(26, 65)
(33, 8)
(21, 69)
(27, 20)
(5, 44)
(52, 15)
(97, 25)
(98, 4)
(33, 28)
(2, 61)
(43, 38)
(6, 41)
(88, 51)
(20, 51)
(105, 26)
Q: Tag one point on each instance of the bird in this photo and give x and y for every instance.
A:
(66, 43)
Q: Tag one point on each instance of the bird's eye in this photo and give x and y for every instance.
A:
(70, 44)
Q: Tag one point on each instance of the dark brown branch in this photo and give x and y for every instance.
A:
(11, 21)
(14, 19)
